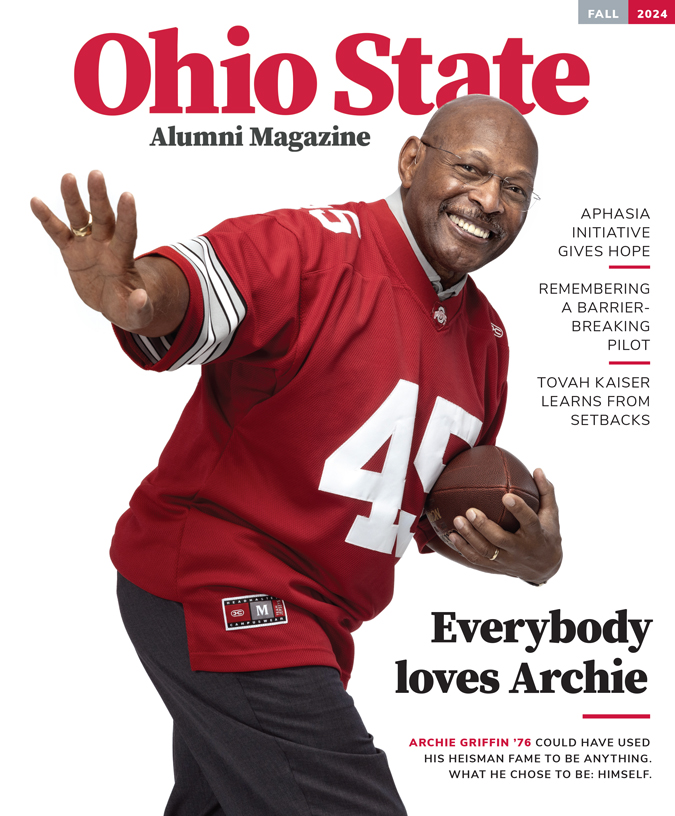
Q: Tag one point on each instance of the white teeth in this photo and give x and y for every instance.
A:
(481, 233)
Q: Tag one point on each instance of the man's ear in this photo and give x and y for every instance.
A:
(408, 160)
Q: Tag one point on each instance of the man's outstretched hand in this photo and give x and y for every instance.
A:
(148, 296)
(533, 553)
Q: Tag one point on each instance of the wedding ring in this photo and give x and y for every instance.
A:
(82, 232)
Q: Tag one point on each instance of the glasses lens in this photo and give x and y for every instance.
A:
(513, 194)
(517, 196)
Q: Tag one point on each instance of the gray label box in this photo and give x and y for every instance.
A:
(603, 12)
(261, 609)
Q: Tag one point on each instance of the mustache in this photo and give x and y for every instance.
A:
(491, 222)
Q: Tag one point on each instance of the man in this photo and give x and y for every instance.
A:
(346, 357)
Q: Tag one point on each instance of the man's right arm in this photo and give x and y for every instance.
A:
(148, 296)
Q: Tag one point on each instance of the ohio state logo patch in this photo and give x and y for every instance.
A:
(440, 315)
(253, 610)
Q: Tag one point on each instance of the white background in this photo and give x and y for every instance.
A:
(85, 730)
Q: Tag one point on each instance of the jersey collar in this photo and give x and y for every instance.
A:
(401, 253)
(396, 206)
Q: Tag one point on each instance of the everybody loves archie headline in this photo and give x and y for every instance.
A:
(588, 678)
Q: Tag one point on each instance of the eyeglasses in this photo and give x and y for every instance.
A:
(513, 194)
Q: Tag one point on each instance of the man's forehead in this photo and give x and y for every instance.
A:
(485, 128)
(488, 127)
(467, 110)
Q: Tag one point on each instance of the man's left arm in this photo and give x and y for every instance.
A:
(533, 553)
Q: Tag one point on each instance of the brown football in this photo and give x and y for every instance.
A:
(479, 478)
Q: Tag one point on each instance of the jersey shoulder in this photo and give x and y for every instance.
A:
(481, 315)
(323, 236)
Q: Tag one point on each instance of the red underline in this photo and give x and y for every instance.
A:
(616, 716)
(629, 362)
(630, 267)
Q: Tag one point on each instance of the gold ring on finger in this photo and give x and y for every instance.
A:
(495, 555)
(82, 232)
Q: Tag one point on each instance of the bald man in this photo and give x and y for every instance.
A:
(346, 357)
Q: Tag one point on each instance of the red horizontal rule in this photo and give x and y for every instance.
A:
(660, 12)
(616, 716)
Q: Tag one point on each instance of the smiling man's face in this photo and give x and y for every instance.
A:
(460, 227)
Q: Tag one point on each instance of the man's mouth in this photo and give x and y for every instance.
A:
(472, 229)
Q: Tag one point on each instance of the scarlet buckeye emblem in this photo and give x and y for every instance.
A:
(441, 316)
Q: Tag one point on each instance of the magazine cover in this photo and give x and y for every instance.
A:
(487, 693)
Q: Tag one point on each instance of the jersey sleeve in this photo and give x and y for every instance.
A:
(244, 283)
(489, 435)
(424, 534)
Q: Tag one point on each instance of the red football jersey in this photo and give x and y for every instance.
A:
(335, 385)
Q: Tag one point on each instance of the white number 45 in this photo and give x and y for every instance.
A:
(344, 474)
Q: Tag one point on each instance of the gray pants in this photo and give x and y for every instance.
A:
(282, 742)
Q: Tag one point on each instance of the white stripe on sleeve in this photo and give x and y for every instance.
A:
(145, 345)
(224, 308)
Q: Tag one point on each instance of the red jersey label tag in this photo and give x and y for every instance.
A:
(253, 610)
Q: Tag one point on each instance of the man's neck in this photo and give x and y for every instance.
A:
(396, 206)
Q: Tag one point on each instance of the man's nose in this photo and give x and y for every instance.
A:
(488, 195)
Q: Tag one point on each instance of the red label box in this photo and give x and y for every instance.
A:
(238, 612)
(658, 12)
